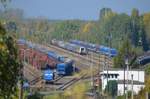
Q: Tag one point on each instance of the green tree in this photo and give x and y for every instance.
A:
(135, 13)
(146, 26)
(35, 96)
(118, 25)
(135, 26)
(65, 30)
(111, 88)
(126, 50)
(147, 69)
(143, 36)
(105, 12)
(9, 65)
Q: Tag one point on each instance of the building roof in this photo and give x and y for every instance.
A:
(121, 69)
(130, 82)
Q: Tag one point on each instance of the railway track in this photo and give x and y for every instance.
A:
(101, 58)
(71, 82)
(58, 78)
(31, 73)
(83, 61)
(34, 81)
(95, 57)
(74, 54)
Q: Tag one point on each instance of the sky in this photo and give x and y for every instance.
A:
(77, 9)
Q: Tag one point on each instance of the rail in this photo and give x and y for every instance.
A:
(71, 82)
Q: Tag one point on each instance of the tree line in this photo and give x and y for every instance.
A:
(118, 26)
(112, 29)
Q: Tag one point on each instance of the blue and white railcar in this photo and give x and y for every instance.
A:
(71, 47)
(96, 48)
(89, 46)
(75, 48)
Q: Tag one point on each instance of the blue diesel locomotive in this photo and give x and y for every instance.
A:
(48, 76)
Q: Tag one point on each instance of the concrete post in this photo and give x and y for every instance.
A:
(132, 95)
(127, 63)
